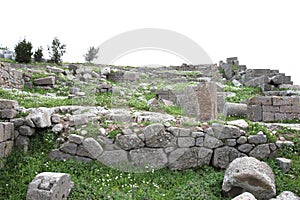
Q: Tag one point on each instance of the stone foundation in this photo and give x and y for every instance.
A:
(273, 108)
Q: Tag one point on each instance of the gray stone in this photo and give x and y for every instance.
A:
(119, 115)
(228, 71)
(235, 109)
(115, 158)
(17, 122)
(145, 159)
(204, 156)
(254, 113)
(236, 83)
(198, 134)
(183, 158)
(128, 142)
(8, 113)
(249, 174)
(57, 128)
(6, 131)
(279, 144)
(22, 143)
(55, 119)
(221, 100)
(225, 131)
(245, 196)
(211, 142)
(224, 155)
(82, 152)
(261, 151)
(40, 117)
(286, 195)
(83, 159)
(26, 130)
(50, 80)
(79, 119)
(8, 104)
(259, 138)
(284, 164)
(5, 148)
(186, 141)
(245, 148)
(230, 142)
(93, 147)
(59, 155)
(241, 123)
(77, 139)
(242, 140)
(69, 148)
(155, 136)
(50, 186)
(268, 116)
(200, 142)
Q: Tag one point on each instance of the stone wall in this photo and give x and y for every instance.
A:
(9, 77)
(159, 146)
(273, 108)
(6, 140)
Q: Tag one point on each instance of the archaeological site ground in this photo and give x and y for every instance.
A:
(91, 131)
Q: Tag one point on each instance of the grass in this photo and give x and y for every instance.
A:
(254, 128)
(242, 93)
(96, 181)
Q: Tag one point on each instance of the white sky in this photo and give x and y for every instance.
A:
(262, 33)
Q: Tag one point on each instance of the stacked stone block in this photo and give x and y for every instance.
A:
(10, 78)
(173, 147)
(273, 108)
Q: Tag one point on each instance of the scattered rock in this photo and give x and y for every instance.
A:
(50, 80)
(287, 195)
(245, 196)
(284, 164)
(92, 147)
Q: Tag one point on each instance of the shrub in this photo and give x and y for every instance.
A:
(23, 51)
(38, 55)
(91, 54)
(56, 51)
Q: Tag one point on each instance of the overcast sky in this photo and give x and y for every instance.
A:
(263, 34)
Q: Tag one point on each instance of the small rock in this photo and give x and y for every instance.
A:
(284, 164)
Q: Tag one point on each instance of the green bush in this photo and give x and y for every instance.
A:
(56, 51)
(38, 55)
(23, 51)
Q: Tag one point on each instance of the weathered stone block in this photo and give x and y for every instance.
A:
(183, 158)
(225, 155)
(115, 158)
(44, 81)
(257, 139)
(79, 119)
(261, 151)
(26, 130)
(5, 148)
(284, 164)
(268, 116)
(148, 158)
(225, 131)
(270, 108)
(282, 101)
(50, 186)
(128, 142)
(77, 139)
(235, 109)
(155, 136)
(211, 142)
(8, 104)
(93, 147)
(254, 113)
(8, 113)
(186, 141)
(69, 148)
(286, 109)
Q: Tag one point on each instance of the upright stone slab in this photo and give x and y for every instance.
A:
(207, 98)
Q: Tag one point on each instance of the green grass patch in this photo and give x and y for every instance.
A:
(254, 128)
(96, 181)
(242, 93)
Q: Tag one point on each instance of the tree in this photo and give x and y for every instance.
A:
(23, 51)
(38, 55)
(56, 51)
(91, 54)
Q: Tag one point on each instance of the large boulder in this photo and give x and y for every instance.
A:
(247, 174)
(93, 147)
